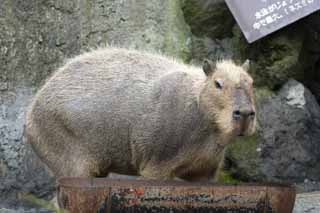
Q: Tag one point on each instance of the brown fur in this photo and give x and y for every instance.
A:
(129, 112)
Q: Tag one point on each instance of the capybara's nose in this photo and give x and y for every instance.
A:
(237, 114)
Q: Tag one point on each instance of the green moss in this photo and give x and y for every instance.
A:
(262, 93)
(244, 147)
(243, 159)
(240, 45)
(178, 35)
(274, 59)
(279, 62)
(226, 177)
(42, 203)
(212, 19)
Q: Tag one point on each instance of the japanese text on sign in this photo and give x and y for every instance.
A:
(270, 14)
(258, 18)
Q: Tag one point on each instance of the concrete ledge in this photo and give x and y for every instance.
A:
(307, 203)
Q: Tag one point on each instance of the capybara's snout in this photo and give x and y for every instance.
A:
(244, 114)
(244, 121)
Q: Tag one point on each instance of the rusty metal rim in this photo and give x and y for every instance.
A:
(121, 195)
(78, 182)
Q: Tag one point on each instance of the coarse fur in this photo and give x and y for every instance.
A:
(137, 113)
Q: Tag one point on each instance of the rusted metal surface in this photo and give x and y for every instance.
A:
(107, 195)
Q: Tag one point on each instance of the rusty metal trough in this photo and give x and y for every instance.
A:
(110, 195)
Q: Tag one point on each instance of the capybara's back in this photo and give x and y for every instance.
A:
(118, 110)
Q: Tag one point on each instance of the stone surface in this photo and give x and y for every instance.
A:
(205, 47)
(210, 37)
(13, 106)
(307, 186)
(307, 203)
(37, 36)
(20, 169)
(286, 147)
(210, 18)
(291, 124)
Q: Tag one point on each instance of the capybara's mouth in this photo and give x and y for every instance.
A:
(241, 132)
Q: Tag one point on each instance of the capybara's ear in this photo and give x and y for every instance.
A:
(246, 65)
(208, 67)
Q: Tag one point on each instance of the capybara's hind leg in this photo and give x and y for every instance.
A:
(64, 155)
(82, 166)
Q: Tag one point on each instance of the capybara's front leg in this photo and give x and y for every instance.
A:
(153, 171)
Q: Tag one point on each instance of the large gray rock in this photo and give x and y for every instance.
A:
(287, 146)
(290, 128)
(11, 121)
(20, 170)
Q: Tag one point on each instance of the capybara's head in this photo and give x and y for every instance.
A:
(227, 98)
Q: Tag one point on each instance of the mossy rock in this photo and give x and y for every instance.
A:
(214, 50)
(208, 18)
(261, 94)
(177, 38)
(274, 59)
(225, 177)
(243, 159)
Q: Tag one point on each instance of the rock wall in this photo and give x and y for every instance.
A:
(36, 37)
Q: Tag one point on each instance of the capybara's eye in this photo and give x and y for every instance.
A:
(218, 83)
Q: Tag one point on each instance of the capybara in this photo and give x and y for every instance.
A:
(137, 113)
